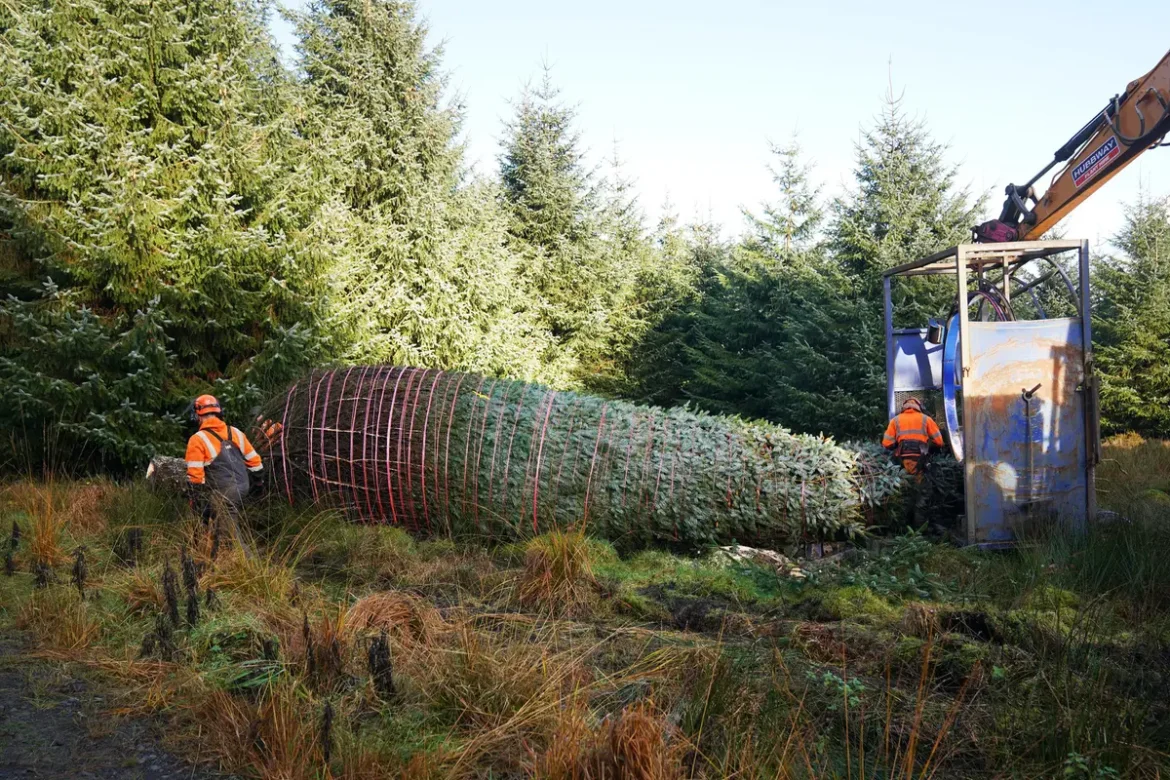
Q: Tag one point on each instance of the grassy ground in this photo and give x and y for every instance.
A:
(348, 651)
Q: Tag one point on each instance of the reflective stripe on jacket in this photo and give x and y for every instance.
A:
(204, 447)
(912, 425)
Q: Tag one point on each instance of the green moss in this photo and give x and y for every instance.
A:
(691, 576)
(1050, 598)
(908, 650)
(856, 602)
(639, 607)
(228, 638)
(398, 734)
(14, 591)
(433, 549)
(1156, 496)
(510, 555)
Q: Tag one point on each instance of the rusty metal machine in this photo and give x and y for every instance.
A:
(1010, 370)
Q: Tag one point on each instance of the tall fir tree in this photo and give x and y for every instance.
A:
(547, 187)
(421, 273)
(906, 205)
(1131, 323)
(579, 237)
(149, 164)
(791, 224)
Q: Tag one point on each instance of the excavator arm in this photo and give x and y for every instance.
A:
(1132, 122)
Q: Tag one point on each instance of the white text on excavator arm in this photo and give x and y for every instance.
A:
(1132, 122)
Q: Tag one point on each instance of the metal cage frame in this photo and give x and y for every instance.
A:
(962, 262)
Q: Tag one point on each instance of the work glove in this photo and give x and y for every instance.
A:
(198, 495)
(257, 483)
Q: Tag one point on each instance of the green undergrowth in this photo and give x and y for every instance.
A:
(911, 659)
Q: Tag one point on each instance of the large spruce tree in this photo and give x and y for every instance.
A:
(579, 237)
(148, 164)
(421, 273)
(906, 205)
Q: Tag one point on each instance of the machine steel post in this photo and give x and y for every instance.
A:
(889, 315)
(1092, 434)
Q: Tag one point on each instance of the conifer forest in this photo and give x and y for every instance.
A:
(524, 435)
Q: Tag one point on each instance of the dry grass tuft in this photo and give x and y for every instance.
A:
(1134, 474)
(256, 580)
(820, 642)
(558, 574)
(140, 588)
(84, 507)
(403, 616)
(58, 619)
(44, 544)
(483, 684)
(77, 507)
(920, 620)
(637, 745)
(274, 738)
(42, 506)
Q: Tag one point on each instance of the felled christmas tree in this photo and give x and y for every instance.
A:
(459, 453)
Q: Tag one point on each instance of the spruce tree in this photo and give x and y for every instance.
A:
(149, 164)
(906, 205)
(791, 224)
(547, 187)
(1132, 323)
(421, 275)
(580, 237)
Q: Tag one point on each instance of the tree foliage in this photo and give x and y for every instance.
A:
(786, 324)
(578, 235)
(149, 162)
(182, 212)
(1132, 323)
(421, 274)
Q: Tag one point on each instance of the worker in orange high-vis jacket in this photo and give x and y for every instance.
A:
(911, 435)
(220, 459)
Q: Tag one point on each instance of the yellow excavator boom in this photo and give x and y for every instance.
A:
(1130, 124)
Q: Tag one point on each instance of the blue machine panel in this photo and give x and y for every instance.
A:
(917, 362)
(1007, 488)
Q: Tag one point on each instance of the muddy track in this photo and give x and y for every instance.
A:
(54, 726)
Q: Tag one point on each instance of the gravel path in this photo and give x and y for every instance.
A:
(54, 726)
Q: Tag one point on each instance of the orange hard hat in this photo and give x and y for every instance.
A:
(912, 401)
(207, 404)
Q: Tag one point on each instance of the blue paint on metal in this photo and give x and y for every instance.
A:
(917, 364)
(889, 326)
(1010, 357)
(951, 383)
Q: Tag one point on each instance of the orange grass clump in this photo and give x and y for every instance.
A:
(274, 737)
(402, 615)
(58, 619)
(141, 590)
(44, 539)
(637, 745)
(83, 510)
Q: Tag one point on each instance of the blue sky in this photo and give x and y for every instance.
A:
(692, 92)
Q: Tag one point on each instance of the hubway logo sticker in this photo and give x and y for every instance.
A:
(1095, 162)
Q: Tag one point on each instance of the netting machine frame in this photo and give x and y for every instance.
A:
(1018, 396)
